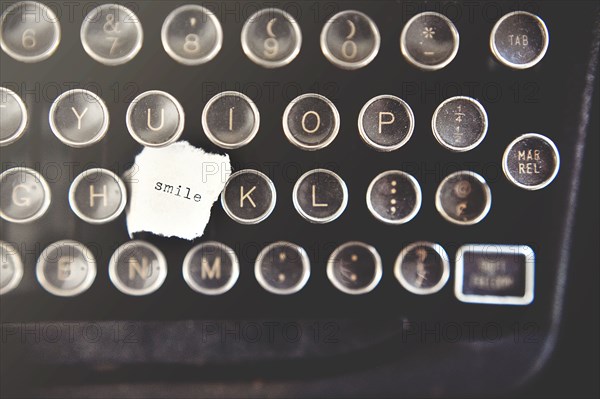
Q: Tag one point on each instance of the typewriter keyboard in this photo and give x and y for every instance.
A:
(385, 157)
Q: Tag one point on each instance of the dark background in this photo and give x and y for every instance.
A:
(366, 363)
(574, 368)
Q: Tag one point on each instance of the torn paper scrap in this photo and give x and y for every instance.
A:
(172, 189)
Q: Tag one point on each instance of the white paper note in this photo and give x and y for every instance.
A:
(172, 189)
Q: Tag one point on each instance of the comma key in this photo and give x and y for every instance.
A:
(354, 268)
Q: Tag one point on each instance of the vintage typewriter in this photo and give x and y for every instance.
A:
(398, 217)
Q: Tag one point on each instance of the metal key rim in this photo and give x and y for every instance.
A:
(40, 57)
(376, 276)
(538, 58)
(191, 61)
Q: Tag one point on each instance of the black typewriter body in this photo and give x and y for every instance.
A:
(318, 341)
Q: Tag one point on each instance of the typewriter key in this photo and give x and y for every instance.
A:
(211, 268)
(66, 268)
(249, 196)
(282, 268)
(394, 197)
(320, 196)
(519, 40)
(192, 35)
(137, 268)
(350, 40)
(531, 161)
(79, 118)
(429, 41)
(354, 268)
(386, 123)
(13, 115)
(422, 268)
(112, 34)
(459, 123)
(463, 198)
(230, 120)
(155, 119)
(97, 196)
(311, 122)
(29, 31)
(11, 267)
(271, 38)
(24, 195)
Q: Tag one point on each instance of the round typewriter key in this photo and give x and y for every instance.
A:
(13, 115)
(519, 40)
(66, 268)
(230, 119)
(531, 161)
(192, 35)
(429, 41)
(29, 31)
(386, 123)
(112, 34)
(24, 195)
(311, 122)
(11, 268)
(459, 123)
(394, 197)
(350, 40)
(97, 196)
(354, 268)
(271, 38)
(155, 119)
(422, 268)
(249, 196)
(282, 268)
(137, 268)
(463, 198)
(79, 118)
(211, 268)
(320, 196)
